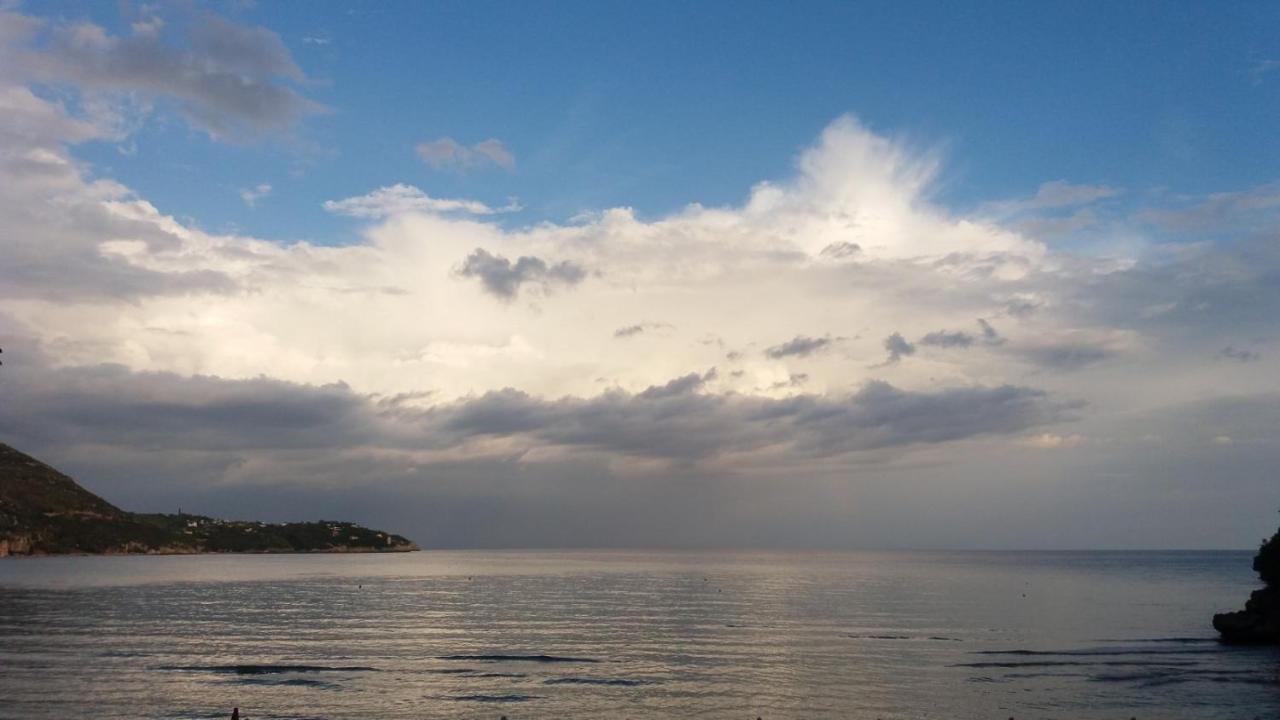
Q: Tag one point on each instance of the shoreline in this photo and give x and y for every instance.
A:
(163, 553)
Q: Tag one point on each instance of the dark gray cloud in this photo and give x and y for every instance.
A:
(225, 78)
(989, 334)
(504, 279)
(961, 339)
(944, 339)
(1067, 356)
(1021, 308)
(677, 421)
(1231, 352)
(799, 346)
(331, 453)
(898, 347)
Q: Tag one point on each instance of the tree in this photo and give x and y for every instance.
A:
(1267, 561)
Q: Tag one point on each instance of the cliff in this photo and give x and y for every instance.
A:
(44, 512)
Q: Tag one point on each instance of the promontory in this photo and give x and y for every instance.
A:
(44, 512)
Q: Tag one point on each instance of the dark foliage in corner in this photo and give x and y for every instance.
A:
(1259, 622)
(1267, 561)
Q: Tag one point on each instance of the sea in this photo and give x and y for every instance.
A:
(626, 634)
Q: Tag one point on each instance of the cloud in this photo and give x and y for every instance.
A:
(944, 339)
(1061, 193)
(799, 346)
(504, 279)
(840, 250)
(676, 422)
(634, 330)
(1261, 69)
(1217, 210)
(898, 347)
(960, 339)
(1231, 352)
(681, 420)
(1057, 208)
(232, 81)
(68, 238)
(398, 199)
(448, 154)
(989, 334)
(252, 195)
(1044, 227)
(379, 364)
(1067, 356)
(1052, 441)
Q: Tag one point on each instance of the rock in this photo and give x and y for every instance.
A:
(1259, 622)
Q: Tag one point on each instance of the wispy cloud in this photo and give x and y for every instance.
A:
(1262, 68)
(629, 331)
(400, 198)
(799, 346)
(448, 154)
(1060, 193)
(252, 195)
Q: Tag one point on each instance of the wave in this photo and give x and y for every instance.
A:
(518, 658)
(622, 682)
(287, 682)
(1099, 652)
(1081, 663)
(494, 698)
(472, 672)
(269, 669)
(938, 638)
(1181, 640)
(1176, 677)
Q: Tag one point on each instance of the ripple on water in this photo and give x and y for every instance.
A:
(518, 658)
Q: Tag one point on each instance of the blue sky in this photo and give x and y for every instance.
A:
(655, 105)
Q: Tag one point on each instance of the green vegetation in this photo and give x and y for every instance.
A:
(43, 511)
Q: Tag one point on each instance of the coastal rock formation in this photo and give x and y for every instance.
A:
(44, 512)
(1259, 622)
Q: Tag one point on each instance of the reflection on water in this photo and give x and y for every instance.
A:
(627, 634)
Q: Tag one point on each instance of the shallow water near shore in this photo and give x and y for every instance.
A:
(536, 634)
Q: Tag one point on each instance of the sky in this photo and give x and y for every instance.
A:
(838, 275)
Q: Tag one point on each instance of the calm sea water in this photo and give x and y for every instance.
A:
(629, 634)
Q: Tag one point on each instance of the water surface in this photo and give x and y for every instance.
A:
(630, 634)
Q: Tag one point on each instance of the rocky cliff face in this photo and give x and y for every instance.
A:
(1259, 622)
(16, 544)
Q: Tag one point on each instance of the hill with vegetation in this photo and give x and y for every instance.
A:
(44, 512)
